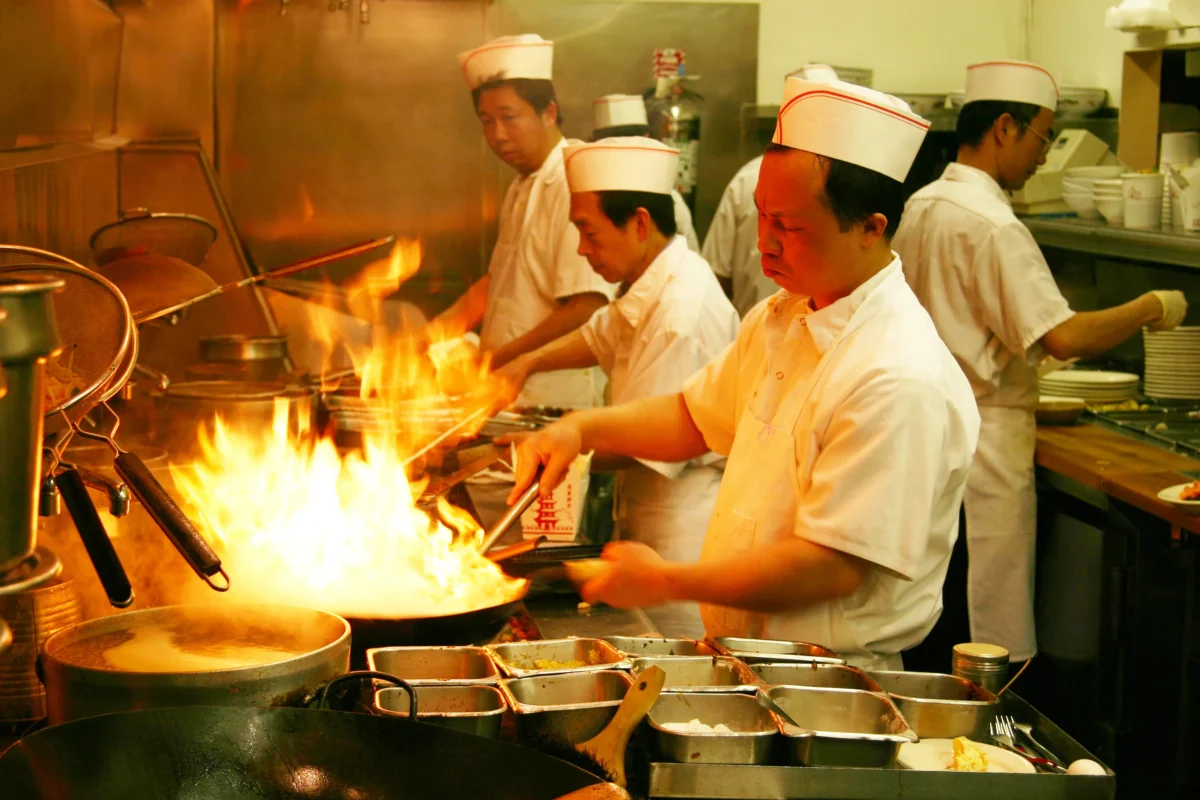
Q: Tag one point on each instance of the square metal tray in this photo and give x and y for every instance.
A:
(639, 646)
(753, 729)
(435, 665)
(564, 709)
(821, 676)
(520, 659)
(704, 674)
(841, 727)
(475, 709)
(940, 706)
(758, 651)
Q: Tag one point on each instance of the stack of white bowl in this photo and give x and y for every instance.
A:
(1090, 386)
(1173, 363)
(1109, 196)
(1079, 188)
(1143, 199)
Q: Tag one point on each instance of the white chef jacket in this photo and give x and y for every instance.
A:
(672, 321)
(978, 271)
(534, 264)
(683, 222)
(731, 246)
(880, 429)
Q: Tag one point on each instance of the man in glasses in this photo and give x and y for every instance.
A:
(977, 270)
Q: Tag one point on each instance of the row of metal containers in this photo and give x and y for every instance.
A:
(562, 692)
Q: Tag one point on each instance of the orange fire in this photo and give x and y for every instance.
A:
(296, 521)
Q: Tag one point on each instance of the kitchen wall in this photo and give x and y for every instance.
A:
(1069, 38)
(913, 46)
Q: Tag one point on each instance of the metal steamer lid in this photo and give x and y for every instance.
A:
(40, 567)
(96, 329)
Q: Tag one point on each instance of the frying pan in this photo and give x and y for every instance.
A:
(237, 753)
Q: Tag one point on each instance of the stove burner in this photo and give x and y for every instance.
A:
(40, 567)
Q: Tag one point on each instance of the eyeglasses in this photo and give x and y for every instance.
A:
(1047, 141)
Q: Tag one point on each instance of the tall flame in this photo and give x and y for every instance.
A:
(297, 521)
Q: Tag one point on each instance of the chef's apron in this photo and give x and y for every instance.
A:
(1001, 512)
(512, 310)
(756, 505)
(669, 515)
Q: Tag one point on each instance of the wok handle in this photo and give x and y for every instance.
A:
(173, 522)
(322, 696)
(95, 538)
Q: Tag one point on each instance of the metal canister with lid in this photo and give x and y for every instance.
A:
(984, 664)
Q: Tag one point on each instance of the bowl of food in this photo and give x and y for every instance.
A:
(1183, 495)
(1059, 410)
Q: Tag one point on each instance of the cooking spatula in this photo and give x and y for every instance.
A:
(606, 750)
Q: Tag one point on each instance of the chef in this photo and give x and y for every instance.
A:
(670, 318)
(537, 286)
(848, 426)
(625, 115)
(731, 246)
(987, 287)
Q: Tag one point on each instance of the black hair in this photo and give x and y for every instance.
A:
(619, 206)
(620, 130)
(535, 91)
(855, 193)
(977, 118)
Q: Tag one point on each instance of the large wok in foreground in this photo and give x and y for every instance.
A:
(241, 753)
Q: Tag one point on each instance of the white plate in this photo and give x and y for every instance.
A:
(1171, 495)
(938, 755)
(1093, 378)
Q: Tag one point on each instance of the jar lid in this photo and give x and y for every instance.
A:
(981, 653)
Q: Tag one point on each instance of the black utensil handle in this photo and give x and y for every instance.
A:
(174, 523)
(321, 699)
(95, 538)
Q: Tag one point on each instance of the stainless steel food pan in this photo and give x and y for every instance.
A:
(471, 709)
(757, 651)
(700, 673)
(564, 709)
(434, 665)
(939, 706)
(752, 729)
(814, 674)
(520, 659)
(841, 727)
(638, 646)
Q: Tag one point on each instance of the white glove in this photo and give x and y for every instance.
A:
(1174, 310)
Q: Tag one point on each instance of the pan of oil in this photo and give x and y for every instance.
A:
(214, 654)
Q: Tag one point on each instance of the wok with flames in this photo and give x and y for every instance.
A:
(298, 521)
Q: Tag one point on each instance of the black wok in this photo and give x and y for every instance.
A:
(241, 753)
(472, 627)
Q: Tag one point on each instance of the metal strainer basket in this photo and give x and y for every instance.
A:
(138, 232)
(99, 340)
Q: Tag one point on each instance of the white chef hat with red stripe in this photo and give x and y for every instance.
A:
(621, 164)
(850, 123)
(615, 110)
(525, 55)
(1013, 82)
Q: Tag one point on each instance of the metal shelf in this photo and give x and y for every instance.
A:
(1166, 246)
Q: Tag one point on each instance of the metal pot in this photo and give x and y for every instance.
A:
(75, 691)
(258, 358)
(138, 231)
(184, 407)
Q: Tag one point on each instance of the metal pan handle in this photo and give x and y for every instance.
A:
(95, 539)
(174, 523)
(321, 698)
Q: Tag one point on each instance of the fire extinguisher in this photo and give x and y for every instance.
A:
(673, 112)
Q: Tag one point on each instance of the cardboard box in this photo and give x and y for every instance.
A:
(560, 517)
(1141, 91)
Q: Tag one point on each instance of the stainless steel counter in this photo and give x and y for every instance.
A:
(558, 616)
(1165, 246)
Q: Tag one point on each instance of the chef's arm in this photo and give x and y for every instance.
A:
(786, 575)
(566, 352)
(571, 313)
(1090, 333)
(654, 428)
(464, 315)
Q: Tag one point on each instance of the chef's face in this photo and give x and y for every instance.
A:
(803, 246)
(1023, 149)
(516, 132)
(612, 250)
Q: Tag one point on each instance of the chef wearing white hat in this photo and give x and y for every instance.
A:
(848, 426)
(670, 318)
(987, 287)
(537, 287)
(625, 115)
(731, 245)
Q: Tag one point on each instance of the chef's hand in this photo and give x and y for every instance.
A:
(636, 578)
(553, 448)
(511, 379)
(1174, 310)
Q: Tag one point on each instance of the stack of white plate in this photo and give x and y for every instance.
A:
(1090, 386)
(1173, 363)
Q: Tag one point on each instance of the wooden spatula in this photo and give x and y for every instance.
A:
(607, 748)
